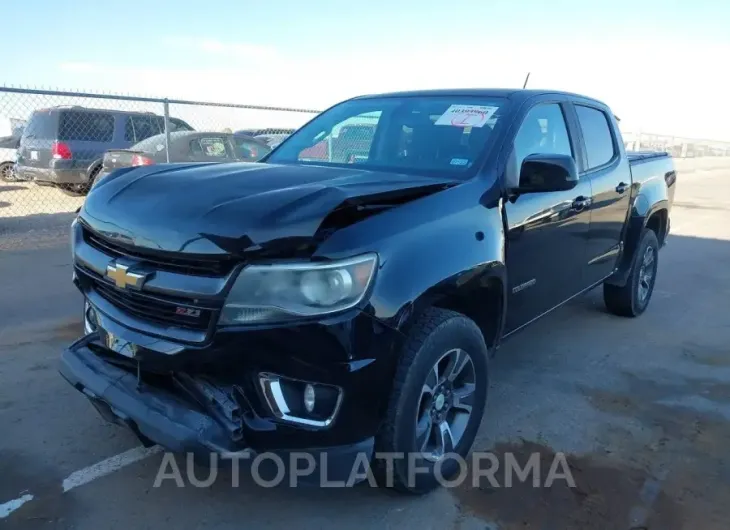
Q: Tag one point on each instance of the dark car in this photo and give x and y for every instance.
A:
(347, 307)
(185, 146)
(63, 146)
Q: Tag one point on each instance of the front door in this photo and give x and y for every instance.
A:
(547, 233)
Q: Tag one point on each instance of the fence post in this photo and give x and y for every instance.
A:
(167, 129)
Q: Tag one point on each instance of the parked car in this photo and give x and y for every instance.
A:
(64, 146)
(349, 307)
(8, 154)
(185, 146)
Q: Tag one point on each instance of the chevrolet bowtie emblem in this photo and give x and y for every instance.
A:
(123, 278)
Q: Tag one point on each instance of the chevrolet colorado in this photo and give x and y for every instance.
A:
(349, 305)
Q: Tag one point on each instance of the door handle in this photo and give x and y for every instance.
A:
(580, 203)
(622, 187)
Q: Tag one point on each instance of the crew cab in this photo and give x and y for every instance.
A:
(349, 305)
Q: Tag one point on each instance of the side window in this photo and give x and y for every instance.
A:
(597, 135)
(128, 130)
(543, 131)
(213, 147)
(144, 127)
(86, 126)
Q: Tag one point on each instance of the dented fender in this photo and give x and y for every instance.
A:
(429, 249)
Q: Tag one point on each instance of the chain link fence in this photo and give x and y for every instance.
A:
(53, 145)
(676, 146)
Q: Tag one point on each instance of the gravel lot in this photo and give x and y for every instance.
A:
(33, 216)
(641, 408)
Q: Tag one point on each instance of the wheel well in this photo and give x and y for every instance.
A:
(658, 223)
(483, 307)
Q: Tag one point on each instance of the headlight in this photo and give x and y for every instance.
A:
(72, 241)
(282, 292)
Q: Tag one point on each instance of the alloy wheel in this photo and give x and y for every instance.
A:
(445, 405)
(7, 172)
(646, 274)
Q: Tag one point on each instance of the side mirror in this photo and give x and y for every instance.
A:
(547, 172)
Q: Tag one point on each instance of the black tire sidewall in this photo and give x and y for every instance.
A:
(458, 332)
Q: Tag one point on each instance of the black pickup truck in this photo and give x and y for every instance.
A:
(349, 305)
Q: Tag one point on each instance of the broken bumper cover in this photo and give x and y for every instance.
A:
(159, 417)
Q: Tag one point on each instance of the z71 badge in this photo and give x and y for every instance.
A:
(187, 312)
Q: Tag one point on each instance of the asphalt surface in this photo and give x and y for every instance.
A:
(641, 407)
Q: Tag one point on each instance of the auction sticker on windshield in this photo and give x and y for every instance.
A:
(466, 115)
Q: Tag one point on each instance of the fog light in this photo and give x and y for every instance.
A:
(301, 402)
(309, 398)
(91, 321)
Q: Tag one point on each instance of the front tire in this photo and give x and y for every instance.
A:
(632, 299)
(436, 404)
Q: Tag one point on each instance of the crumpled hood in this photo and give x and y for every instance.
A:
(235, 208)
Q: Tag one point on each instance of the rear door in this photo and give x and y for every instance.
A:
(610, 177)
(37, 139)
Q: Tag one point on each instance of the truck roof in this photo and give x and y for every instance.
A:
(510, 93)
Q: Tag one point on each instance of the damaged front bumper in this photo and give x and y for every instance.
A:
(186, 414)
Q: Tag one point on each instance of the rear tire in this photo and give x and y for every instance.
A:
(632, 299)
(73, 190)
(441, 378)
(7, 172)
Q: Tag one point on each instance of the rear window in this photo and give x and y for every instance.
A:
(597, 136)
(86, 126)
(153, 144)
(40, 125)
(213, 147)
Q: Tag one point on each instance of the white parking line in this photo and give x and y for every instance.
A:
(10, 506)
(110, 465)
(88, 474)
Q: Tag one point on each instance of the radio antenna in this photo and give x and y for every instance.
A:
(526, 80)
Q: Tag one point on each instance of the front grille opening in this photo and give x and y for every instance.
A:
(192, 265)
(166, 311)
(158, 311)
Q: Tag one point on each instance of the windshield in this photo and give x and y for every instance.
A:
(434, 134)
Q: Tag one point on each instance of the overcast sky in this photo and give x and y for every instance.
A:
(662, 66)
